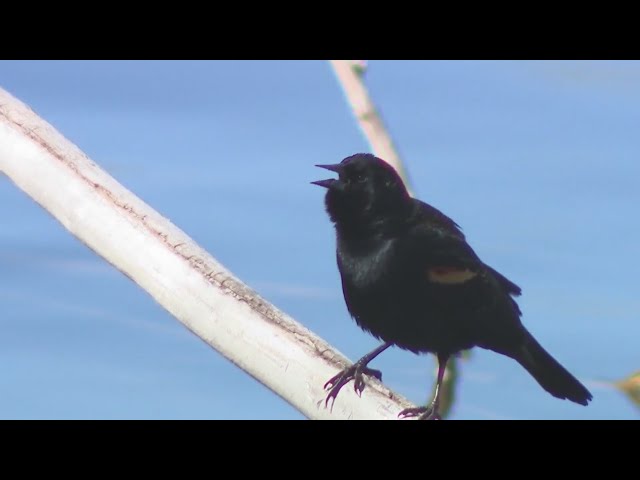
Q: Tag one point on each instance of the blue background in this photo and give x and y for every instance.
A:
(537, 160)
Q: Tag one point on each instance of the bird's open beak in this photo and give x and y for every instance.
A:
(333, 168)
(324, 183)
(328, 182)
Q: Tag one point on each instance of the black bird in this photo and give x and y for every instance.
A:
(410, 279)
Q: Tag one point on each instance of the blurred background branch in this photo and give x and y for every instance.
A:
(350, 74)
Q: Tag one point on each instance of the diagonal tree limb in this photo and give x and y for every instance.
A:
(182, 277)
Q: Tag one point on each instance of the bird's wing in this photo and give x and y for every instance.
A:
(507, 284)
(425, 213)
(445, 258)
(440, 246)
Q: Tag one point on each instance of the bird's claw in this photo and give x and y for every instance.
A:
(423, 413)
(355, 373)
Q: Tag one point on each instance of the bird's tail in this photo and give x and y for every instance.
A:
(548, 372)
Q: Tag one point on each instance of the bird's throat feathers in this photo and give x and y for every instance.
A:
(358, 219)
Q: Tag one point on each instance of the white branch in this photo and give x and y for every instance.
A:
(182, 277)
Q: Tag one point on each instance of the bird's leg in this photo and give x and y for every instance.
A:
(354, 372)
(430, 412)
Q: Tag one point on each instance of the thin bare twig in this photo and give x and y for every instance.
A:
(350, 75)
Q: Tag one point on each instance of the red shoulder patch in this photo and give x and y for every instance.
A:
(450, 275)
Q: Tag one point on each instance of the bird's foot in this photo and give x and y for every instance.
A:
(423, 413)
(355, 372)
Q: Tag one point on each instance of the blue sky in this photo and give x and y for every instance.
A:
(538, 161)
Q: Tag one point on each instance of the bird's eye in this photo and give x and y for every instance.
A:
(359, 178)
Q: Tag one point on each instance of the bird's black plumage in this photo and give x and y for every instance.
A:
(410, 278)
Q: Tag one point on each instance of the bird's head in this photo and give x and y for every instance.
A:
(367, 190)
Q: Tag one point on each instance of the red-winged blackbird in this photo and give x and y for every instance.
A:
(410, 279)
